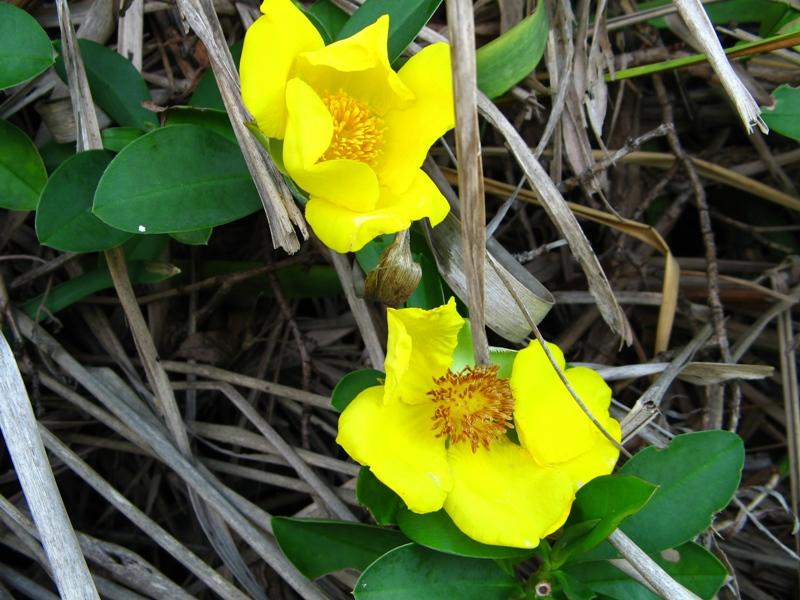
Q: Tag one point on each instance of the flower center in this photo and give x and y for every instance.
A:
(473, 405)
(357, 132)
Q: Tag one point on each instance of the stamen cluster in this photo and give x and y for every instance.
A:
(357, 131)
(473, 405)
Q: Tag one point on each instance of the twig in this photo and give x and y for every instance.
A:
(461, 26)
(18, 426)
(715, 408)
(282, 214)
(649, 569)
(614, 158)
(698, 23)
(360, 311)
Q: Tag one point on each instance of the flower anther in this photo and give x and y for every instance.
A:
(474, 405)
(357, 131)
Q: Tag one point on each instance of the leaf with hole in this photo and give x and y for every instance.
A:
(319, 546)
(25, 49)
(784, 116)
(64, 218)
(179, 178)
(696, 474)
(690, 564)
(412, 572)
(117, 87)
(22, 173)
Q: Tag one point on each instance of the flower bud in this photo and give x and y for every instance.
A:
(396, 276)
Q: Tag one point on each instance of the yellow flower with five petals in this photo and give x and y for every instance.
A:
(438, 437)
(354, 131)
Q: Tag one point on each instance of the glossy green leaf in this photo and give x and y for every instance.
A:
(697, 475)
(198, 237)
(209, 118)
(25, 49)
(691, 565)
(64, 218)
(382, 503)
(436, 530)
(406, 19)
(76, 289)
(507, 60)
(206, 94)
(179, 178)
(318, 546)
(412, 572)
(116, 138)
(22, 173)
(784, 117)
(352, 384)
(607, 501)
(117, 87)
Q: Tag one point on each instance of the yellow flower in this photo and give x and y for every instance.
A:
(438, 437)
(355, 132)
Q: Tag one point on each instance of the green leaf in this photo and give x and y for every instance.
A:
(76, 289)
(179, 178)
(570, 587)
(206, 94)
(25, 49)
(209, 118)
(430, 292)
(691, 565)
(318, 546)
(329, 17)
(53, 154)
(784, 117)
(382, 503)
(64, 218)
(116, 138)
(117, 87)
(436, 530)
(505, 61)
(199, 237)
(697, 475)
(406, 19)
(412, 572)
(22, 173)
(352, 384)
(606, 500)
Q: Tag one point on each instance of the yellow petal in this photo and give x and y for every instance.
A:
(309, 128)
(349, 230)
(502, 496)
(598, 460)
(397, 443)
(550, 424)
(420, 199)
(271, 46)
(411, 130)
(419, 349)
(358, 65)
